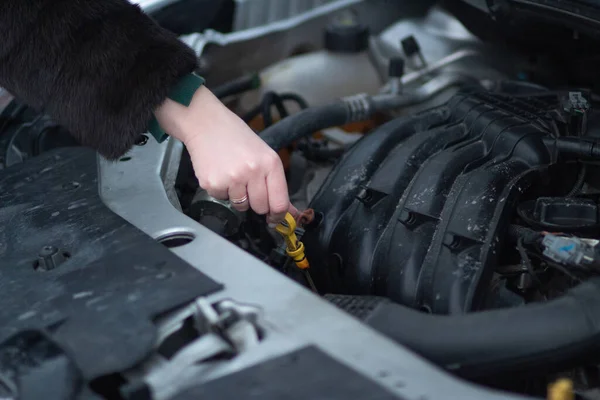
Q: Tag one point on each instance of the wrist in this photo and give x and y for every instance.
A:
(183, 122)
(206, 113)
(167, 115)
(170, 116)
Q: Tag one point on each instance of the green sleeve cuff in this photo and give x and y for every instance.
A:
(182, 93)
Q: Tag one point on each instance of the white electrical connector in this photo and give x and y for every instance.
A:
(569, 250)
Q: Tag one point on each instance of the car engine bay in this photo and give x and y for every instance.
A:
(445, 157)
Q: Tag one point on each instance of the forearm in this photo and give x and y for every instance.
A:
(181, 123)
(99, 67)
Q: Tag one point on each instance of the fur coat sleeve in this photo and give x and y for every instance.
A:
(98, 67)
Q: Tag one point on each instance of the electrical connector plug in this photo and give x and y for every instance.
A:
(570, 251)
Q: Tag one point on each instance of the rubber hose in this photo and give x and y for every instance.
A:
(314, 119)
(580, 182)
(575, 147)
(253, 113)
(272, 99)
(540, 336)
(320, 154)
(305, 123)
(296, 98)
(237, 86)
(529, 236)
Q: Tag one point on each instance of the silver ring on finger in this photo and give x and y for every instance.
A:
(239, 201)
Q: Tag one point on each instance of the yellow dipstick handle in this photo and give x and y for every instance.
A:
(561, 390)
(294, 248)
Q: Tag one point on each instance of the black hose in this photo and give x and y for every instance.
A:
(529, 236)
(253, 113)
(578, 186)
(527, 262)
(272, 99)
(294, 97)
(575, 147)
(237, 86)
(305, 123)
(540, 336)
(320, 154)
(359, 108)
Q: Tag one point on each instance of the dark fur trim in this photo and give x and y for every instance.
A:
(99, 67)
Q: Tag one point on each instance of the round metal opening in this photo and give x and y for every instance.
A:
(176, 239)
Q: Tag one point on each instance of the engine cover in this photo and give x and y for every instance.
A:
(417, 210)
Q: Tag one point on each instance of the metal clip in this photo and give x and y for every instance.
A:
(223, 330)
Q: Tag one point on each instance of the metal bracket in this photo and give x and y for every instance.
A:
(223, 330)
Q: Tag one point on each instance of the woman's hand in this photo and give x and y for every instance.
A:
(230, 161)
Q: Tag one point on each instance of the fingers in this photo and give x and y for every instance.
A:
(238, 196)
(260, 185)
(220, 192)
(294, 211)
(258, 195)
(279, 201)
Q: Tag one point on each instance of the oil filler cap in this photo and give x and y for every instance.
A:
(346, 35)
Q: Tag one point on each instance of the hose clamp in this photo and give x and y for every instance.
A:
(359, 107)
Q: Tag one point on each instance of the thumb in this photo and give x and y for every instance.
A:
(294, 211)
(275, 219)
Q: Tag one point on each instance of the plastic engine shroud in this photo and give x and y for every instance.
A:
(417, 209)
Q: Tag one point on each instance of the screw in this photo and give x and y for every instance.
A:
(50, 257)
(364, 195)
(48, 251)
(407, 218)
(452, 241)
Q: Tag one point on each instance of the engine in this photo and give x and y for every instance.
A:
(435, 179)
(424, 210)
(448, 195)
(438, 182)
